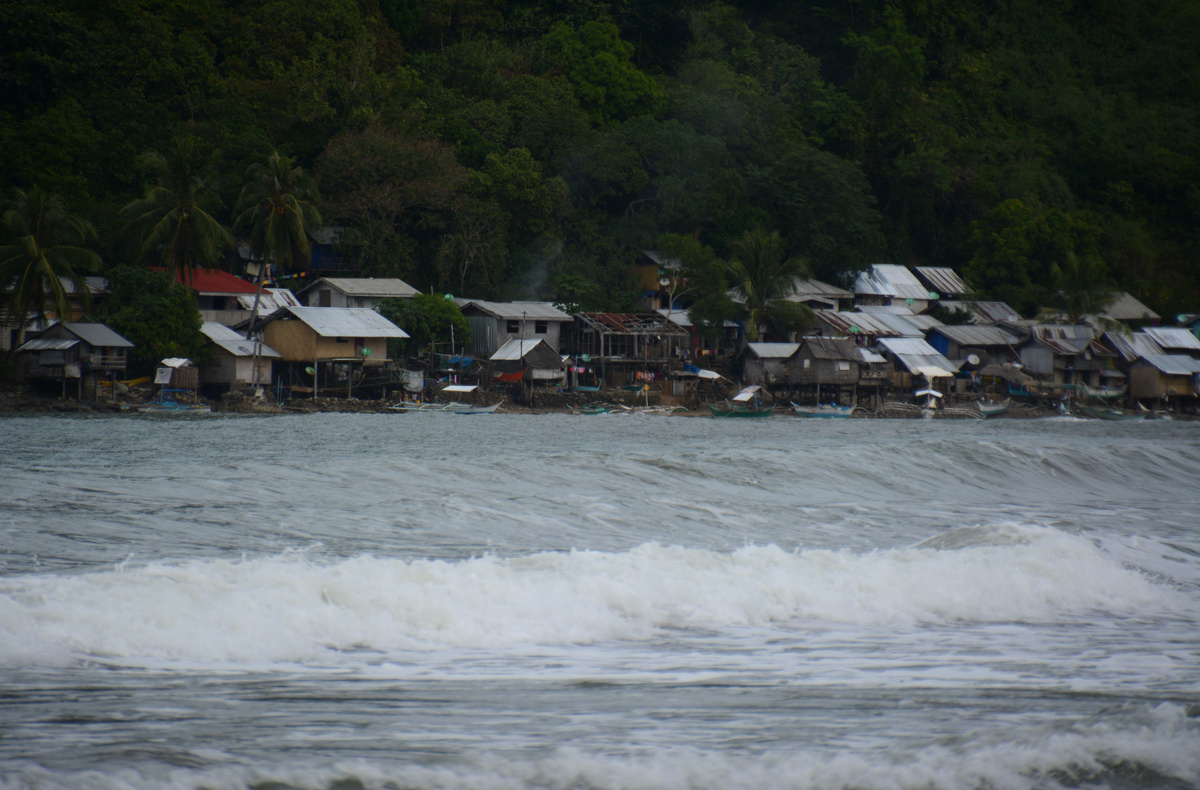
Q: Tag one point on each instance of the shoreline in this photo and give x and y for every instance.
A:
(16, 402)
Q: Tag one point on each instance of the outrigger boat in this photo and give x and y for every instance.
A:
(737, 410)
(992, 409)
(822, 410)
(466, 408)
(740, 405)
(1111, 414)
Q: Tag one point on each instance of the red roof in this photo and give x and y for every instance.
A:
(215, 281)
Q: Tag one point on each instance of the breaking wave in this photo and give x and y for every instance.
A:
(300, 608)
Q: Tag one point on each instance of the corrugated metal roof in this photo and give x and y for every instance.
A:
(918, 356)
(517, 349)
(98, 335)
(808, 287)
(514, 311)
(1173, 337)
(867, 355)
(1174, 364)
(1133, 347)
(383, 287)
(984, 312)
(345, 321)
(630, 323)
(864, 324)
(1063, 339)
(890, 279)
(272, 299)
(1125, 307)
(944, 281)
(48, 344)
(831, 348)
(234, 343)
(773, 350)
(972, 335)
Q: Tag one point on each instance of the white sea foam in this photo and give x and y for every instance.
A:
(296, 608)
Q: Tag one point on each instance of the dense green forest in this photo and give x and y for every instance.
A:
(533, 148)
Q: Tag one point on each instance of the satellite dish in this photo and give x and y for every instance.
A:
(664, 282)
(309, 370)
(855, 329)
(449, 297)
(1180, 318)
(586, 357)
(972, 359)
(933, 295)
(366, 352)
(909, 301)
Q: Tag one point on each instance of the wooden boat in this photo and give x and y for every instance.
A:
(1111, 414)
(736, 410)
(824, 410)
(992, 409)
(409, 406)
(595, 408)
(1019, 391)
(466, 408)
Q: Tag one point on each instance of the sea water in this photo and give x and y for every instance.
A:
(437, 601)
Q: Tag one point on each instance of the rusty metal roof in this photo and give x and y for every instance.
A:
(630, 324)
(1063, 339)
(1133, 346)
(832, 348)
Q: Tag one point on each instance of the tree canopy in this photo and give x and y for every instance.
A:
(534, 149)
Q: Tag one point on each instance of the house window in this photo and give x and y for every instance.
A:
(807, 364)
(324, 298)
(342, 340)
(843, 366)
(514, 327)
(539, 327)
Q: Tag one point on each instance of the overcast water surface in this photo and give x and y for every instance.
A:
(444, 602)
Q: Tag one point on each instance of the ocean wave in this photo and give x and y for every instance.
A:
(297, 607)
(1159, 750)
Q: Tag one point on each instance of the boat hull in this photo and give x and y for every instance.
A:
(1111, 414)
(747, 414)
(823, 412)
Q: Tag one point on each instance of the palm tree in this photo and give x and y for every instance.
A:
(173, 218)
(761, 278)
(43, 246)
(278, 204)
(1083, 286)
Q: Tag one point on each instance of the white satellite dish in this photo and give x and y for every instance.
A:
(972, 359)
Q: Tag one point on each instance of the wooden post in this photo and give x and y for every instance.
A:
(316, 376)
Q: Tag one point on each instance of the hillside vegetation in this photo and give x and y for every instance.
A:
(533, 148)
